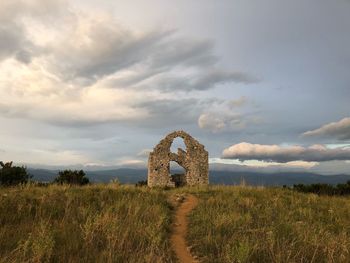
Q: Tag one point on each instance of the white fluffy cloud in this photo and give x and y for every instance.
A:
(339, 130)
(274, 153)
(218, 122)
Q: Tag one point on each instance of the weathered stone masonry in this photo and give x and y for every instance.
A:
(194, 160)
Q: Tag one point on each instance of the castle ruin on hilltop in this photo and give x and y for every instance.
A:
(194, 160)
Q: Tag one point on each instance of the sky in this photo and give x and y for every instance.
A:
(262, 84)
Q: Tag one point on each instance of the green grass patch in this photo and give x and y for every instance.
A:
(245, 224)
(99, 223)
(112, 223)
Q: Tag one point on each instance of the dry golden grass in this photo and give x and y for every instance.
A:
(112, 223)
(84, 224)
(244, 224)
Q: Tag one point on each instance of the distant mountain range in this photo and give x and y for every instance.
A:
(132, 176)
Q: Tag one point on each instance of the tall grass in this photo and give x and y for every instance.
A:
(243, 224)
(84, 224)
(112, 223)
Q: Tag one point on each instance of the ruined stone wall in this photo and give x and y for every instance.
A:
(194, 160)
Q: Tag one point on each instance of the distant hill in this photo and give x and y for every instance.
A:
(274, 179)
(124, 175)
(131, 176)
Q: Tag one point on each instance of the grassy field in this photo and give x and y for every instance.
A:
(84, 224)
(111, 223)
(243, 224)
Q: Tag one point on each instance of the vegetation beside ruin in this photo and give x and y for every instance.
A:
(245, 224)
(97, 223)
(120, 223)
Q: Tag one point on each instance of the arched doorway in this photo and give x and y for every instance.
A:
(177, 174)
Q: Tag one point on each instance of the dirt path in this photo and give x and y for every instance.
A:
(178, 238)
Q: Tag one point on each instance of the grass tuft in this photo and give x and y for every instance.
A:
(99, 223)
(245, 224)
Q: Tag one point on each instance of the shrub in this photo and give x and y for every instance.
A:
(324, 189)
(71, 177)
(115, 181)
(141, 183)
(13, 175)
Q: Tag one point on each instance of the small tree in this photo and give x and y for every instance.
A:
(13, 175)
(71, 177)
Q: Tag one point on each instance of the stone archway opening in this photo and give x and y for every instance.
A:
(178, 143)
(177, 172)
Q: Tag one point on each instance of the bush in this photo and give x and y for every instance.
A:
(13, 175)
(115, 181)
(141, 183)
(71, 177)
(324, 189)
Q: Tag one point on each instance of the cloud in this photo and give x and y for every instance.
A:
(332, 167)
(339, 130)
(11, 40)
(201, 80)
(42, 156)
(220, 118)
(101, 48)
(219, 122)
(68, 67)
(144, 153)
(15, 25)
(238, 102)
(274, 153)
(81, 48)
(131, 163)
(164, 112)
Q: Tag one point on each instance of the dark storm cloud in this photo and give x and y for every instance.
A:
(339, 130)
(91, 54)
(184, 52)
(160, 55)
(89, 49)
(106, 48)
(169, 55)
(24, 56)
(111, 49)
(163, 112)
(14, 43)
(14, 39)
(274, 153)
(202, 81)
(218, 77)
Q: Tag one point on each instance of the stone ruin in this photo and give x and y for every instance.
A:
(194, 160)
